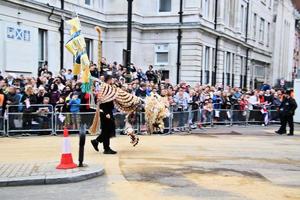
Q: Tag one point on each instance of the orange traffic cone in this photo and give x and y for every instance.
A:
(66, 161)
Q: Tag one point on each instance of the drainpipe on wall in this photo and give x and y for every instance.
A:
(246, 68)
(246, 40)
(179, 37)
(61, 31)
(214, 81)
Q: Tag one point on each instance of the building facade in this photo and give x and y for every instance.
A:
(284, 26)
(223, 42)
(296, 65)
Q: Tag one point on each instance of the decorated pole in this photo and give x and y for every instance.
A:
(99, 31)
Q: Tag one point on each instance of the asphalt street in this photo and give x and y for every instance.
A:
(183, 166)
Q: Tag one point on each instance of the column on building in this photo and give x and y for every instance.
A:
(220, 63)
(191, 58)
(237, 68)
(220, 15)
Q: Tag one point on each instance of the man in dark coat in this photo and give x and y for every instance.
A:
(108, 127)
(286, 113)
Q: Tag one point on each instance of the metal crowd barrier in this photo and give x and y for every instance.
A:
(46, 119)
(2, 123)
(29, 119)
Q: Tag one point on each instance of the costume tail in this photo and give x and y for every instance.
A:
(95, 127)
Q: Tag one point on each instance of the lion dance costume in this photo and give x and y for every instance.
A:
(156, 107)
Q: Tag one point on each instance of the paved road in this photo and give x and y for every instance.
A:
(201, 166)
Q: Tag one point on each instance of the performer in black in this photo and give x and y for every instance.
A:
(108, 127)
(286, 113)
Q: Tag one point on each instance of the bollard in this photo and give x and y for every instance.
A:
(82, 136)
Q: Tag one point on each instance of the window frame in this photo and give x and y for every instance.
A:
(156, 51)
(163, 12)
(44, 47)
(254, 26)
(91, 5)
(262, 30)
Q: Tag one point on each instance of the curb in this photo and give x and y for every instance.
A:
(91, 172)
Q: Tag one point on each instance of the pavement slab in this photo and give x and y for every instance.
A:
(14, 174)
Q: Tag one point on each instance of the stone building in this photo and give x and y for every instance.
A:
(233, 42)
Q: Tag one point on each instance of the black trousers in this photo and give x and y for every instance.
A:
(105, 139)
(108, 129)
(284, 120)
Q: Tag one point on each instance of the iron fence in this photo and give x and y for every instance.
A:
(46, 119)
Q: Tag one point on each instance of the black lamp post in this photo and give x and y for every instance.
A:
(179, 38)
(129, 31)
(62, 30)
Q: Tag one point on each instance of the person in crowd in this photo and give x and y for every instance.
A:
(141, 75)
(150, 73)
(181, 100)
(74, 104)
(287, 111)
(54, 94)
(62, 116)
(12, 101)
(194, 102)
(29, 101)
(41, 94)
(217, 104)
(44, 116)
(69, 75)
(94, 70)
(265, 86)
(60, 84)
(207, 110)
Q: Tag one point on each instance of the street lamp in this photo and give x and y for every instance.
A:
(129, 31)
(62, 30)
(179, 38)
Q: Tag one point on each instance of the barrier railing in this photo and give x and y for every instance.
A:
(28, 119)
(2, 123)
(44, 119)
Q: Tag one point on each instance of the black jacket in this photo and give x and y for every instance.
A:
(288, 106)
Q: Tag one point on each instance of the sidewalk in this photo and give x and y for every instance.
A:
(16, 174)
(243, 130)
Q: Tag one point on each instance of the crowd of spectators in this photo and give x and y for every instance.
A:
(63, 92)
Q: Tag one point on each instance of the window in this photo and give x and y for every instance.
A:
(228, 68)
(254, 26)
(162, 54)
(88, 2)
(262, 30)
(231, 13)
(42, 38)
(89, 48)
(206, 65)
(228, 63)
(101, 4)
(242, 75)
(243, 16)
(268, 34)
(206, 8)
(165, 5)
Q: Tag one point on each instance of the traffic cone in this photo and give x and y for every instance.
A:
(66, 161)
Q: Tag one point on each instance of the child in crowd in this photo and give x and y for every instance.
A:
(74, 109)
